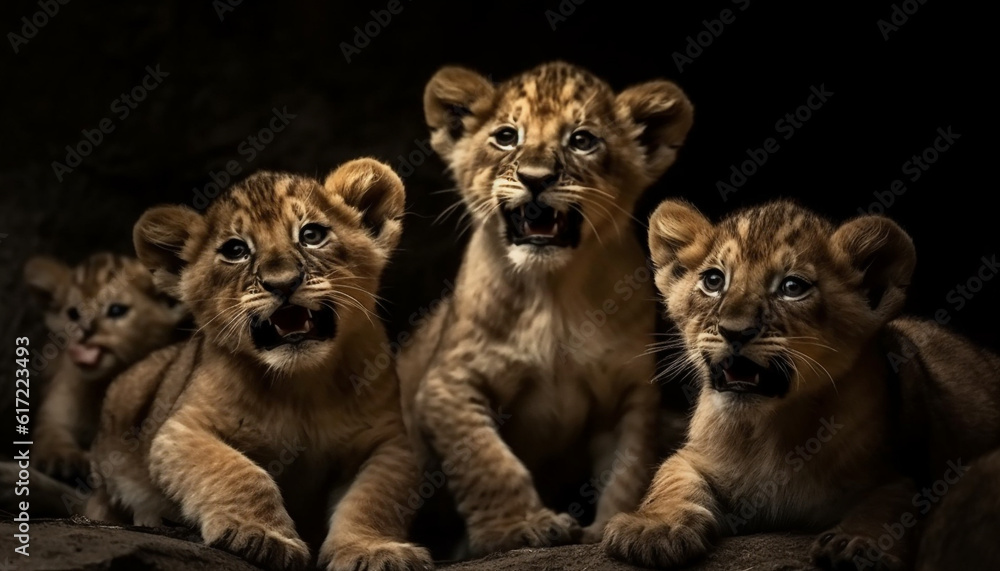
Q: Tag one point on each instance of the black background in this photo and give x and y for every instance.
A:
(227, 73)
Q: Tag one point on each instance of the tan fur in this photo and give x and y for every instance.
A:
(252, 445)
(880, 433)
(506, 342)
(80, 305)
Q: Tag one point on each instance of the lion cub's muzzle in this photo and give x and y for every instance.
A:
(742, 375)
(293, 324)
(538, 224)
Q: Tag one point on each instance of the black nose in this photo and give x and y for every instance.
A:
(283, 286)
(740, 337)
(538, 184)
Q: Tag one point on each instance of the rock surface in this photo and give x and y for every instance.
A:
(60, 545)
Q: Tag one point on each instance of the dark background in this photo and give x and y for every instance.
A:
(227, 74)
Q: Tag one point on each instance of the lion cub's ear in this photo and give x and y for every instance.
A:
(884, 253)
(376, 191)
(48, 280)
(679, 238)
(453, 99)
(159, 237)
(663, 115)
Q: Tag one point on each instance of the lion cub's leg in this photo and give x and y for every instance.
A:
(493, 489)
(854, 542)
(628, 462)
(370, 523)
(673, 525)
(236, 503)
(56, 448)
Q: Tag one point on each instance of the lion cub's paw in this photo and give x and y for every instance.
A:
(841, 549)
(542, 528)
(63, 461)
(386, 556)
(593, 533)
(277, 547)
(651, 542)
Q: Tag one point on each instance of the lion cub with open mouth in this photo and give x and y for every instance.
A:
(817, 408)
(245, 429)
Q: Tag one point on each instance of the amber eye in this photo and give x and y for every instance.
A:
(794, 288)
(235, 250)
(712, 281)
(506, 137)
(312, 234)
(73, 313)
(116, 310)
(583, 141)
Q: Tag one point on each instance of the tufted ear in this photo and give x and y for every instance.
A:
(884, 253)
(663, 116)
(679, 238)
(159, 237)
(48, 280)
(452, 95)
(376, 191)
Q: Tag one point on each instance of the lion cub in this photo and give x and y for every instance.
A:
(818, 407)
(244, 430)
(536, 364)
(104, 314)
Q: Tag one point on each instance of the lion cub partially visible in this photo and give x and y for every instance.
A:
(246, 429)
(818, 408)
(104, 314)
(553, 304)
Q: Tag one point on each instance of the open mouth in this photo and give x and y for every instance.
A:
(293, 324)
(739, 374)
(85, 356)
(539, 224)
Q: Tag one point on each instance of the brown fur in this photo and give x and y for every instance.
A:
(880, 433)
(504, 343)
(80, 305)
(253, 445)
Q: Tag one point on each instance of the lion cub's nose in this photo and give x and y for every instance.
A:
(537, 183)
(282, 285)
(739, 337)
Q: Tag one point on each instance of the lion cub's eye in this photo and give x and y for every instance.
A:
(583, 141)
(712, 281)
(506, 137)
(73, 313)
(312, 235)
(235, 250)
(794, 288)
(116, 310)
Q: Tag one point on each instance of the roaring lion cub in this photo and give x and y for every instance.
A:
(105, 314)
(536, 364)
(246, 429)
(818, 407)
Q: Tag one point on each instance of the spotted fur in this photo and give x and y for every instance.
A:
(505, 342)
(254, 445)
(873, 404)
(102, 315)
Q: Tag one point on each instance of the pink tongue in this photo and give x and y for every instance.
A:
(84, 354)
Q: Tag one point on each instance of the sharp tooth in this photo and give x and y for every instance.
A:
(309, 311)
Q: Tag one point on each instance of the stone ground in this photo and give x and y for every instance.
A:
(62, 545)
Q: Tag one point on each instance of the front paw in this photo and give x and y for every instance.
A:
(375, 556)
(651, 542)
(841, 549)
(63, 461)
(542, 528)
(271, 547)
(593, 533)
